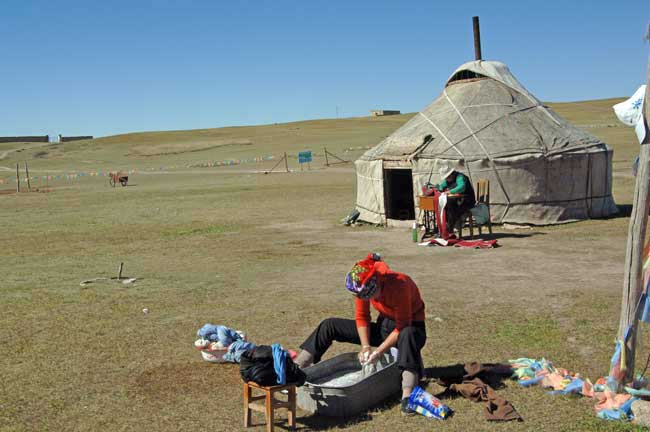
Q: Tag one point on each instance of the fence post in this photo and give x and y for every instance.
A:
(17, 179)
(286, 162)
(29, 186)
(327, 162)
(631, 307)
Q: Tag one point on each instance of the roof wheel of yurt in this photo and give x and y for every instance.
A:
(486, 124)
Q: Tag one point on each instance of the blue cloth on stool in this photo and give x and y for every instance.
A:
(280, 363)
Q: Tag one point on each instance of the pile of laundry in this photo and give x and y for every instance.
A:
(270, 365)
(477, 382)
(219, 343)
(610, 404)
(263, 364)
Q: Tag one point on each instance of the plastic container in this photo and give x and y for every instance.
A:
(316, 396)
(427, 404)
(415, 232)
(214, 356)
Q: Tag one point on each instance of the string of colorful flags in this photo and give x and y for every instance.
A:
(66, 176)
(226, 162)
(349, 149)
(230, 162)
(79, 174)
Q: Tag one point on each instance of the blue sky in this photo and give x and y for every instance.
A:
(101, 68)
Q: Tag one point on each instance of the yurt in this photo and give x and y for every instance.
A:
(542, 170)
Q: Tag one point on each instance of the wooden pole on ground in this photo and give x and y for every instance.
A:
(632, 281)
(275, 166)
(286, 162)
(17, 179)
(335, 157)
(29, 186)
(327, 162)
(477, 39)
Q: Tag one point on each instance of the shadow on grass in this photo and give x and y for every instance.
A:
(442, 377)
(319, 422)
(316, 422)
(496, 236)
(624, 210)
(492, 374)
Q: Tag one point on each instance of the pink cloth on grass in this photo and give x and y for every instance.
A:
(472, 244)
(609, 400)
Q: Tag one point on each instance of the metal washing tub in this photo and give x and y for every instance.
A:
(337, 388)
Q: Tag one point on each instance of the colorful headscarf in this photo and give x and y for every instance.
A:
(362, 280)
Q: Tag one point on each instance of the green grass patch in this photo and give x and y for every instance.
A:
(540, 333)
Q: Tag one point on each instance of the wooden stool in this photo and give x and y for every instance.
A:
(271, 403)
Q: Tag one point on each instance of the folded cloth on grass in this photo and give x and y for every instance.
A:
(472, 244)
(472, 381)
(218, 333)
(610, 405)
(220, 343)
(497, 409)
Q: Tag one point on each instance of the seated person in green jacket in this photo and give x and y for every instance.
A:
(456, 183)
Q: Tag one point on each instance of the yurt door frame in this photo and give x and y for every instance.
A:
(398, 193)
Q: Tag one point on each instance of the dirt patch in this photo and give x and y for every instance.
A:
(190, 378)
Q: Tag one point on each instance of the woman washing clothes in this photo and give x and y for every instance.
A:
(400, 322)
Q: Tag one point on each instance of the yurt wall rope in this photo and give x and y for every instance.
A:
(496, 172)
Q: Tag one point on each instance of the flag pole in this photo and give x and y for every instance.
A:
(632, 281)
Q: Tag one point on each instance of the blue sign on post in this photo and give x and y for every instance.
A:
(304, 156)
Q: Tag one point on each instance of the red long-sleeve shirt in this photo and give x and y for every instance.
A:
(399, 300)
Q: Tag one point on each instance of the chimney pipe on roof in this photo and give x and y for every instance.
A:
(477, 39)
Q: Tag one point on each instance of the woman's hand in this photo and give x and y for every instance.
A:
(374, 356)
(364, 354)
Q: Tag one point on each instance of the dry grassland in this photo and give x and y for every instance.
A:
(265, 253)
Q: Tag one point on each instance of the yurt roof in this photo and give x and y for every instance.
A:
(484, 112)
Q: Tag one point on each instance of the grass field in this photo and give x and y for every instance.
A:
(265, 253)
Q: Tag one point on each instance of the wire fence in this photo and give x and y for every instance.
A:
(8, 177)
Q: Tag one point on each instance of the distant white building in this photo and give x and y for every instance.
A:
(377, 113)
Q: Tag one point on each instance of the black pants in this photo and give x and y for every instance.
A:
(455, 209)
(409, 342)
